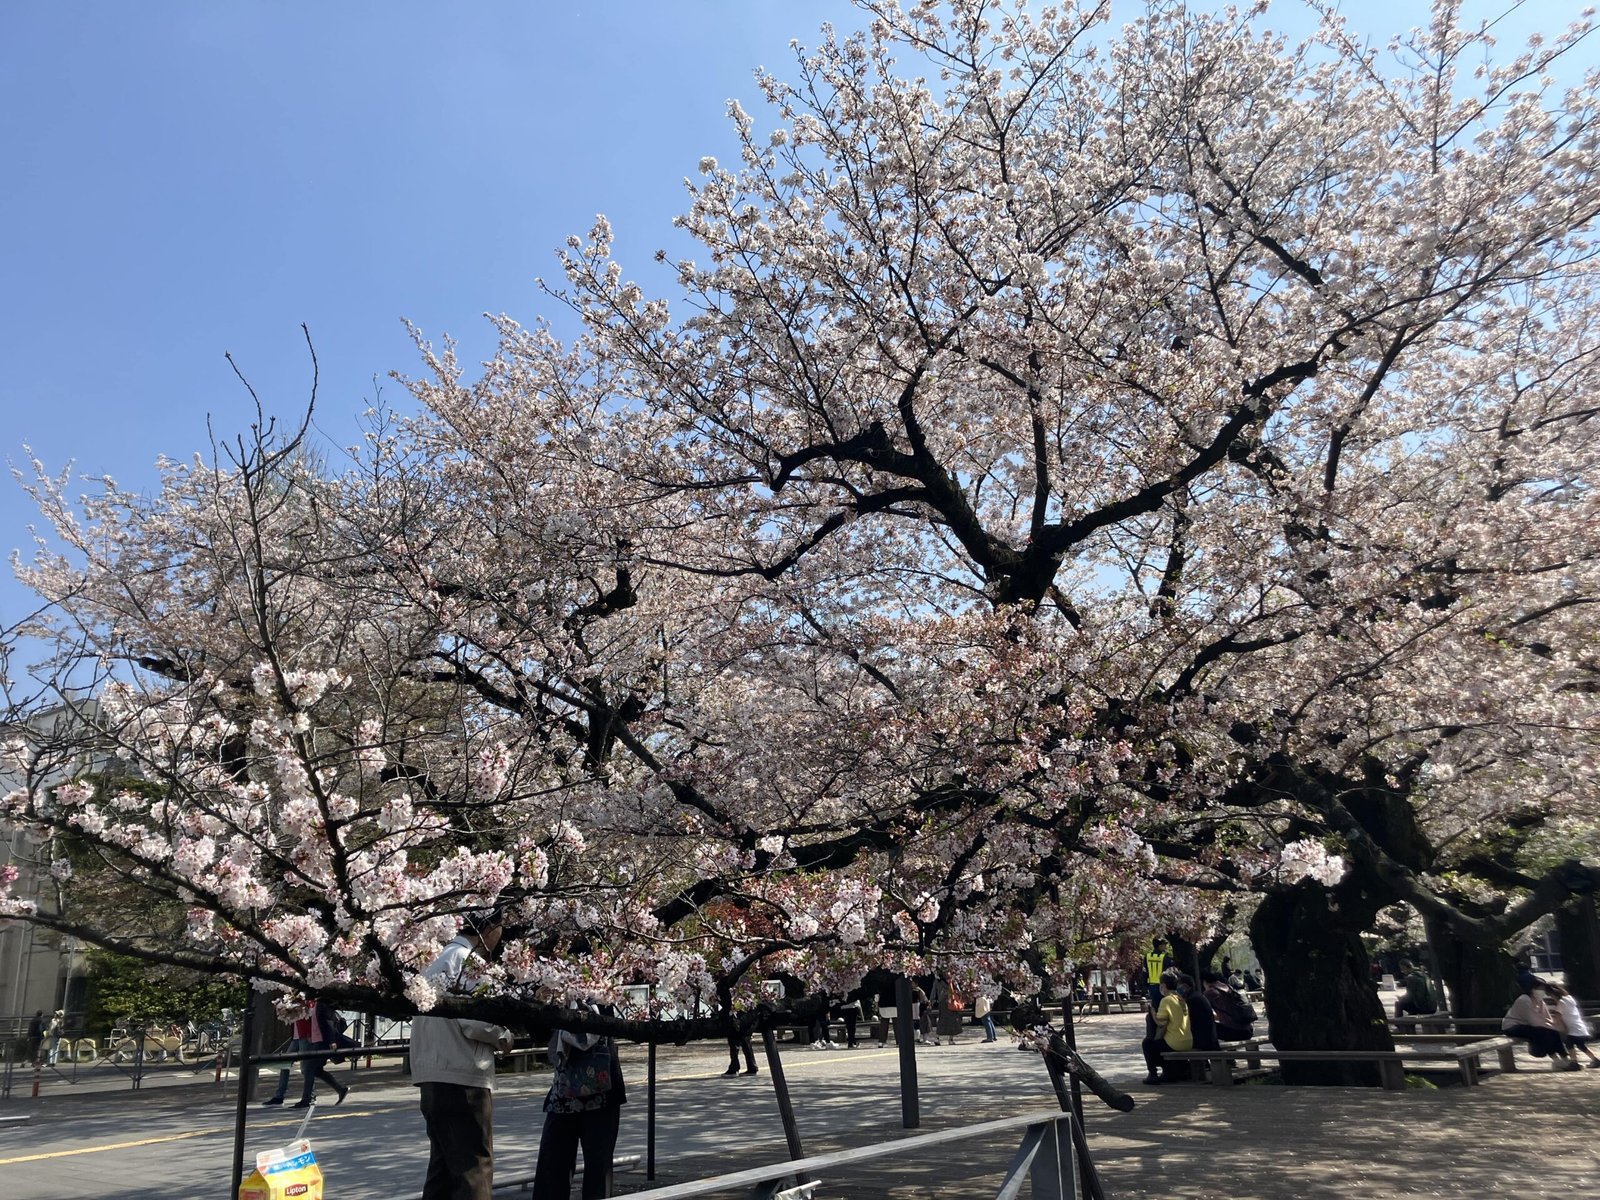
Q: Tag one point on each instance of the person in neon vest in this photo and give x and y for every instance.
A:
(1156, 960)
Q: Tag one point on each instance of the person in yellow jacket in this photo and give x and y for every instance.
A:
(1172, 1030)
(1156, 960)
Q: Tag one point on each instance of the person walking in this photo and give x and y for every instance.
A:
(452, 1063)
(741, 1042)
(302, 1015)
(582, 1109)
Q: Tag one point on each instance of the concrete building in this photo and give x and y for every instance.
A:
(40, 970)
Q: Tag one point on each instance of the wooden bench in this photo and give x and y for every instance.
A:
(1504, 1047)
(1467, 1057)
(1445, 1023)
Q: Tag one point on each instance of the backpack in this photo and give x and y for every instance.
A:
(583, 1074)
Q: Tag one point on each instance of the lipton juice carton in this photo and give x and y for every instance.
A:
(288, 1171)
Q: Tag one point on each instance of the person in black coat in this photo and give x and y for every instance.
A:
(1202, 1019)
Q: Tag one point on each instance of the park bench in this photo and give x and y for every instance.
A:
(1046, 1158)
(1466, 1056)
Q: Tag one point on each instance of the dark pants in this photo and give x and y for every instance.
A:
(460, 1124)
(295, 1046)
(1154, 1048)
(736, 1044)
(1542, 1043)
(849, 1015)
(596, 1131)
(313, 1069)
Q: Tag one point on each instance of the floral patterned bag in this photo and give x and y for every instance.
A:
(584, 1074)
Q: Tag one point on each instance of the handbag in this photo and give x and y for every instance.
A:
(584, 1074)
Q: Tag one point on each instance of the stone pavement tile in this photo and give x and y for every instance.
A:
(1530, 1134)
(1527, 1135)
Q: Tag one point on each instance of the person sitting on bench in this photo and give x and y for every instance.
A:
(1529, 1019)
(1170, 1027)
(1418, 999)
(1235, 1016)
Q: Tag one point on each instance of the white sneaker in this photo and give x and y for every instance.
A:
(1564, 1064)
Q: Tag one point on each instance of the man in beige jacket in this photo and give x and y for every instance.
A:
(452, 1061)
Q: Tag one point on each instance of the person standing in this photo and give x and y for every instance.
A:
(983, 1009)
(939, 1003)
(35, 1035)
(919, 1012)
(583, 1108)
(1156, 961)
(452, 1063)
(52, 1036)
(850, 1013)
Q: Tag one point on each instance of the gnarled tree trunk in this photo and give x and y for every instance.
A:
(1481, 979)
(1318, 988)
(1578, 926)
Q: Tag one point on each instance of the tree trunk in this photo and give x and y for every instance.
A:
(1481, 979)
(1578, 927)
(1185, 955)
(1318, 988)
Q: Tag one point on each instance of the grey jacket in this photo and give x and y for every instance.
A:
(447, 1050)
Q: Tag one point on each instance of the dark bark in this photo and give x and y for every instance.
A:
(1185, 955)
(1206, 951)
(1578, 927)
(1318, 988)
(1481, 979)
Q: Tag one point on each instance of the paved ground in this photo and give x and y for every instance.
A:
(1530, 1134)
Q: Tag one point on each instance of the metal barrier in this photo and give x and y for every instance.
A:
(1046, 1158)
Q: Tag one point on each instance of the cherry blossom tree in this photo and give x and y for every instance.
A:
(1057, 453)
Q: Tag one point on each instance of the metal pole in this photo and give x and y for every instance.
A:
(780, 1088)
(247, 1033)
(1087, 1173)
(1070, 1035)
(650, 1120)
(905, 1036)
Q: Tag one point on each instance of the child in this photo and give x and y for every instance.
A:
(1569, 1020)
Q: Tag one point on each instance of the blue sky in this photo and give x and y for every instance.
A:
(189, 177)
